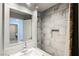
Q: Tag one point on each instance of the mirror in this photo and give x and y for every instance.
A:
(27, 29)
(16, 30)
(20, 26)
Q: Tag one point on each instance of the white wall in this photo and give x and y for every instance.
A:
(1, 32)
(34, 28)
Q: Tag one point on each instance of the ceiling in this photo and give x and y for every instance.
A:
(41, 6)
(44, 6)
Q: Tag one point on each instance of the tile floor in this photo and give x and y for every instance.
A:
(31, 52)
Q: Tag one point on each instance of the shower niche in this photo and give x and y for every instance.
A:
(53, 31)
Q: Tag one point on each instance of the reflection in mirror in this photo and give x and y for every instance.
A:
(13, 33)
(27, 29)
(20, 26)
(16, 30)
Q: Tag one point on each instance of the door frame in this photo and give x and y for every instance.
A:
(74, 29)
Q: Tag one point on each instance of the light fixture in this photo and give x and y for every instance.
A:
(36, 7)
(28, 3)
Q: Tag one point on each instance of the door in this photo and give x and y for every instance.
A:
(13, 33)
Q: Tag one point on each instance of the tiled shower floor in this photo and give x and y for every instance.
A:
(31, 52)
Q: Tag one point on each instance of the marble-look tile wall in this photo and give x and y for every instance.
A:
(39, 32)
(54, 30)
